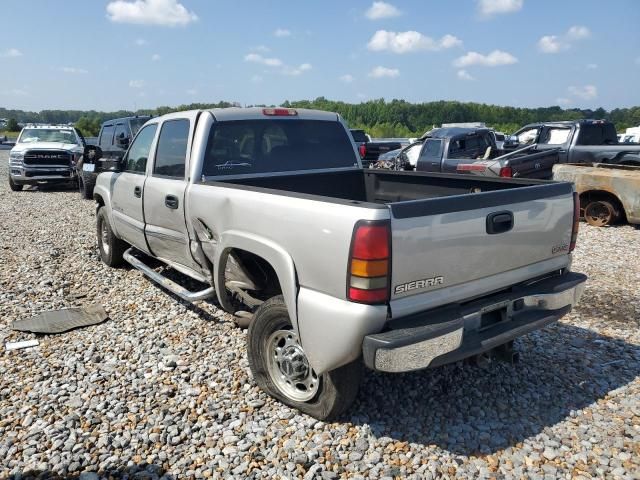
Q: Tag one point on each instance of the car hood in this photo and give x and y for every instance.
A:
(390, 155)
(71, 147)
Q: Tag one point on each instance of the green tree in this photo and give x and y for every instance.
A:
(12, 125)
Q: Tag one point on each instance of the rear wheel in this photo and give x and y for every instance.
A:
(280, 366)
(111, 247)
(14, 186)
(600, 213)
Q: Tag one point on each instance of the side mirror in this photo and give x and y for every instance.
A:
(122, 141)
(511, 141)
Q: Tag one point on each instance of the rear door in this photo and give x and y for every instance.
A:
(452, 248)
(164, 192)
(127, 187)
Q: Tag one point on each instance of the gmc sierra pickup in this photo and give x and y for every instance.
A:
(334, 265)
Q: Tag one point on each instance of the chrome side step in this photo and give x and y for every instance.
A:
(165, 282)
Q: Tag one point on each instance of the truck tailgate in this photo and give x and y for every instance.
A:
(452, 248)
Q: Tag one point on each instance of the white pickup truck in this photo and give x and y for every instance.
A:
(334, 265)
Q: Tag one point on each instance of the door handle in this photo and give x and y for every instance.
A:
(171, 201)
(137, 192)
(499, 222)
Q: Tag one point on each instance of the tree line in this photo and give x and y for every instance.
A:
(380, 118)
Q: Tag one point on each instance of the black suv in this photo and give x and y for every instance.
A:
(114, 139)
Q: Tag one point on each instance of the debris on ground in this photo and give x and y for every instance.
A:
(62, 320)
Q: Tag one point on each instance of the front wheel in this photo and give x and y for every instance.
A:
(111, 247)
(14, 186)
(280, 366)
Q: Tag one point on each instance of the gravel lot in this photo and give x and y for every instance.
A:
(163, 389)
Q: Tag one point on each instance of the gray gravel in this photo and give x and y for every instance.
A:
(163, 389)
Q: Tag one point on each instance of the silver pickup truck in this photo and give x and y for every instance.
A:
(334, 265)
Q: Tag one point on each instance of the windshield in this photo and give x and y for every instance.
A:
(30, 135)
(262, 146)
(136, 123)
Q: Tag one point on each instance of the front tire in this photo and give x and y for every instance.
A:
(280, 367)
(14, 186)
(111, 247)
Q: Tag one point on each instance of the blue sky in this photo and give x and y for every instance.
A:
(128, 54)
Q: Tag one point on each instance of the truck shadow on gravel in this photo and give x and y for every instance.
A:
(471, 410)
(141, 472)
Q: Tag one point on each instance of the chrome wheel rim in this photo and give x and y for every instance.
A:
(104, 237)
(289, 367)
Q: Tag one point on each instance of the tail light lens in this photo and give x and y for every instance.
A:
(363, 150)
(506, 172)
(280, 112)
(576, 221)
(369, 272)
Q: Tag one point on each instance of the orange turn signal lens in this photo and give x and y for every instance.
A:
(369, 268)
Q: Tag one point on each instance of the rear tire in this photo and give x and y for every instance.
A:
(111, 247)
(600, 213)
(280, 367)
(14, 186)
(87, 183)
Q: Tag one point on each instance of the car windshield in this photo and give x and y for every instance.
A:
(30, 135)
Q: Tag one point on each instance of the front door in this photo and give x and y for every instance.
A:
(430, 156)
(127, 188)
(164, 194)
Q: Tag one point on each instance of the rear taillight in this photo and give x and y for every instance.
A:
(363, 150)
(576, 221)
(369, 263)
(506, 172)
(280, 112)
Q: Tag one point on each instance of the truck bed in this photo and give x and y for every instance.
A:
(380, 186)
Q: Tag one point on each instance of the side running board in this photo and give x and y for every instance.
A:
(165, 282)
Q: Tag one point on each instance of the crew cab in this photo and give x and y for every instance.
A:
(370, 150)
(113, 139)
(332, 265)
(45, 154)
(578, 141)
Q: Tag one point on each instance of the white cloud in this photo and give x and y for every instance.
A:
(494, 59)
(464, 75)
(592, 66)
(382, 72)
(155, 57)
(411, 41)
(168, 13)
(141, 42)
(586, 92)
(347, 78)
(192, 91)
(578, 32)
(137, 83)
(282, 32)
(382, 10)
(489, 8)
(559, 43)
(563, 101)
(257, 58)
(295, 71)
(11, 52)
(74, 70)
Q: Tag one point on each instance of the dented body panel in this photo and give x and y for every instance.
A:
(621, 181)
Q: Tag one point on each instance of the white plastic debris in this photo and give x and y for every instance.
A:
(23, 344)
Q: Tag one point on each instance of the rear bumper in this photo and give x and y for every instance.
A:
(455, 332)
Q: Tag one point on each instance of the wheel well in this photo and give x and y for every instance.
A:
(256, 270)
(99, 200)
(596, 195)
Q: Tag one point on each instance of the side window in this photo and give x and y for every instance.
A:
(555, 136)
(172, 149)
(136, 158)
(106, 136)
(122, 132)
(431, 148)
